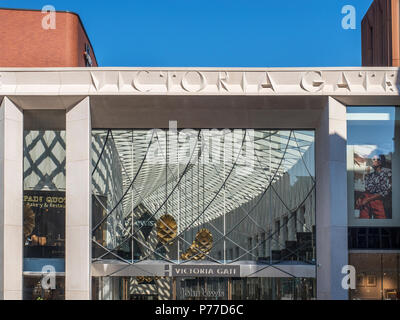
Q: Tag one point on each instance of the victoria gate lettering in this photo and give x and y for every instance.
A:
(258, 82)
(205, 271)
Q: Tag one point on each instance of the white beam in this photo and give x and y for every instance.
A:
(331, 201)
(78, 203)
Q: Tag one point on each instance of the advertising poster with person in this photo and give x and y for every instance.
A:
(372, 183)
(373, 164)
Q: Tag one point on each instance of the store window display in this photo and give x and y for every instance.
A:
(373, 162)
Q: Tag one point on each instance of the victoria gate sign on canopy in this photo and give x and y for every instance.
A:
(205, 271)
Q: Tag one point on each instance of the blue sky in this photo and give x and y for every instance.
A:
(216, 33)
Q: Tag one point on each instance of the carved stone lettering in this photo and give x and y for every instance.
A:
(312, 81)
(192, 88)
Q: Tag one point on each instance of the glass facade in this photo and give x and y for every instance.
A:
(37, 288)
(44, 213)
(274, 289)
(202, 288)
(204, 196)
(182, 197)
(373, 163)
(378, 276)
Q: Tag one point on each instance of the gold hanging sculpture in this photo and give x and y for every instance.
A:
(200, 247)
(167, 229)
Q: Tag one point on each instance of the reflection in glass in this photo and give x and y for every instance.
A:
(44, 194)
(34, 290)
(184, 288)
(44, 212)
(378, 276)
(222, 196)
(373, 165)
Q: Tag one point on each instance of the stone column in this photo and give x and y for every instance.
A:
(11, 200)
(331, 201)
(78, 202)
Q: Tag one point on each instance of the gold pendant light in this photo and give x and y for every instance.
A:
(200, 247)
(167, 229)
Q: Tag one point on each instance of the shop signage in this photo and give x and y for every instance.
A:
(45, 199)
(205, 271)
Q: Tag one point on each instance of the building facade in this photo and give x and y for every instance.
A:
(381, 34)
(194, 183)
(258, 183)
(39, 39)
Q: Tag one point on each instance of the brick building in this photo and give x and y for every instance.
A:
(26, 43)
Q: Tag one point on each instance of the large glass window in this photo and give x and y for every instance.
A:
(44, 211)
(44, 225)
(196, 288)
(373, 166)
(378, 276)
(37, 288)
(203, 196)
(373, 162)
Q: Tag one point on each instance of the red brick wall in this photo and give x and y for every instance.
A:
(24, 43)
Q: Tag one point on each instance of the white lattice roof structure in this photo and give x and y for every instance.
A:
(201, 183)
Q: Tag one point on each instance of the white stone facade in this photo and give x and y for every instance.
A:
(308, 98)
